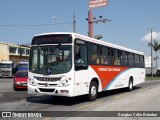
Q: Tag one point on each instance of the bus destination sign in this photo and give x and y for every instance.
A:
(52, 39)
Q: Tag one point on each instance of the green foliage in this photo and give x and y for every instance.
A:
(98, 37)
(152, 78)
(156, 46)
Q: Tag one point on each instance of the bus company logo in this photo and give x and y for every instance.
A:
(102, 69)
(6, 114)
(46, 84)
(109, 69)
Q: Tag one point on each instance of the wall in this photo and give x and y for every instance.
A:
(4, 52)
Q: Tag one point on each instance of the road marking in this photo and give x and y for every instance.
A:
(98, 102)
(47, 118)
(89, 105)
(115, 97)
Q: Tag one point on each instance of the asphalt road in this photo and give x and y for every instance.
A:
(144, 97)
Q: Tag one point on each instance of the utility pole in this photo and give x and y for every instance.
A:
(151, 29)
(74, 22)
(91, 5)
(90, 24)
(151, 55)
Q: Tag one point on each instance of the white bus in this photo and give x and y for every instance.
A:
(70, 64)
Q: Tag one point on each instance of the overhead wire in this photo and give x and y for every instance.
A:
(31, 25)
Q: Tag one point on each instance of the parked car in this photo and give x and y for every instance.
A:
(22, 65)
(20, 80)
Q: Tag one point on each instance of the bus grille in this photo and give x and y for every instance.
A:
(48, 79)
(46, 90)
(5, 73)
(44, 84)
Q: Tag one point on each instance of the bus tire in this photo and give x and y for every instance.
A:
(130, 84)
(93, 91)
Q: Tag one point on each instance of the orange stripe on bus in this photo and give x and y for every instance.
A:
(107, 73)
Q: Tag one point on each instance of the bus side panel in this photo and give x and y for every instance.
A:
(114, 77)
(107, 74)
(140, 75)
(122, 80)
(82, 81)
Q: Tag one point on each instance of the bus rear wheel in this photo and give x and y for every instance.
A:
(130, 85)
(93, 91)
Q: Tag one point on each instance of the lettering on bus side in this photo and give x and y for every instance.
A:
(119, 85)
(109, 69)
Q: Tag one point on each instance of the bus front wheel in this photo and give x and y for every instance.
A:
(93, 91)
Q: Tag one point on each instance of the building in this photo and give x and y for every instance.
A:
(14, 52)
(147, 61)
(148, 68)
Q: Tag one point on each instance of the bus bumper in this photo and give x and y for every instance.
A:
(56, 91)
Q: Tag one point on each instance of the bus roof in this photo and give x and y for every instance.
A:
(23, 62)
(101, 42)
(6, 62)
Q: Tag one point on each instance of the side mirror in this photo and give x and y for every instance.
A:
(81, 67)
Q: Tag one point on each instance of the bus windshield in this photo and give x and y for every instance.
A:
(6, 65)
(50, 59)
(23, 66)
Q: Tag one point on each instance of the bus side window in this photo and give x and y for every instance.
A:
(109, 56)
(104, 55)
(124, 58)
(93, 54)
(113, 57)
(80, 54)
(83, 53)
(116, 58)
(142, 61)
(131, 59)
(119, 57)
(137, 61)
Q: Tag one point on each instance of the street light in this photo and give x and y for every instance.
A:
(54, 17)
(90, 23)
(74, 22)
(100, 20)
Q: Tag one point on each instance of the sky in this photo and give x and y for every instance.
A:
(20, 20)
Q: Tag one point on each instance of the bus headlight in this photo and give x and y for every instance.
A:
(64, 83)
(32, 81)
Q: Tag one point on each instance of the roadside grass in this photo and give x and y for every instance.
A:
(152, 78)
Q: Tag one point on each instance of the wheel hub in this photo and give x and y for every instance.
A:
(93, 91)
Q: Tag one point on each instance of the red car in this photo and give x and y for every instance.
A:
(20, 80)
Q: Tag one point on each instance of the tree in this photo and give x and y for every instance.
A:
(156, 48)
(98, 37)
